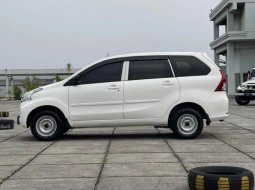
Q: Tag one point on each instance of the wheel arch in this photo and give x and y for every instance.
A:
(42, 108)
(192, 105)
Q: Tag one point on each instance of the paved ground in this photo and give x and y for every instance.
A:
(122, 158)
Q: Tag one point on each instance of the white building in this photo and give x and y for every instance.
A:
(234, 39)
(9, 78)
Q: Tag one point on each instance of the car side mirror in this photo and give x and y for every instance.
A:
(76, 80)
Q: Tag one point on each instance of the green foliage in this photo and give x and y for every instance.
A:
(69, 68)
(9, 92)
(57, 78)
(30, 84)
(16, 91)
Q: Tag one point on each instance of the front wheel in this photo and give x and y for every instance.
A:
(187, 123)
(47, 125)
(242, 101)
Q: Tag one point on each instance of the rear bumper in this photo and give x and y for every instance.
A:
(217, 106)
(220, 118)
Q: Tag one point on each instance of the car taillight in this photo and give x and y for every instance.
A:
(222, 84)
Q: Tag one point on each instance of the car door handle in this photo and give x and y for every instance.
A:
(167, 83)
(113, 87)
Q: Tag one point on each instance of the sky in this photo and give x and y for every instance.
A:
(51, 33)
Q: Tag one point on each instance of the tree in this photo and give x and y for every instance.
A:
(16, 91)
(69, 68)
(30, 84)
(57, 78)
(9, 92)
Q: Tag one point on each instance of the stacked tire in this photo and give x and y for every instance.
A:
(4, 114)
(6, 123)
(220, 178)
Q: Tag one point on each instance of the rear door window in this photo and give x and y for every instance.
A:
(149, 69)
(188, 66)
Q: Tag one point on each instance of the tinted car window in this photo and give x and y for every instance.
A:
(188, 66)
(106, 73)
(149, 69)
(253, 73)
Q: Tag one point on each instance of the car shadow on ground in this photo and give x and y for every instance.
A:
(72, 137)
(89, 136)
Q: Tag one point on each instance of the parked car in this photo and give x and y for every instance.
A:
(246, 91)
(177, 90)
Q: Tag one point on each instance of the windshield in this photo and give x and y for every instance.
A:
(252, 73)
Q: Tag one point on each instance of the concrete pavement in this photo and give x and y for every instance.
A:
(122, 158)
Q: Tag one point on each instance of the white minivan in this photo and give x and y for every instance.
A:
(175, 90)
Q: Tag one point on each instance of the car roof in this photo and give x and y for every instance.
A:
(154, 54)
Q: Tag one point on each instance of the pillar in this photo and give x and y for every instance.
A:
(230, 69)
(216, 30)
(216, 58)
(230, 22)
(6, 84)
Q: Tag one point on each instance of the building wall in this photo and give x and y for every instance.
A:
(250, 16)
(43, 76)
(238, 44)
(240, 59)
(239, 20)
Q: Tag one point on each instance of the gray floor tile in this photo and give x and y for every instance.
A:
(76, 149)
(143, 169)
(69, 159)
(142, 158)
(57, 171)
(145, 183)
(6, 171)
(50, 184)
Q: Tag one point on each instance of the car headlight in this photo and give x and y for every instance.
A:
(28, 96)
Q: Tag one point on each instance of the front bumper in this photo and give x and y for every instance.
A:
(245, 94)
(18, 120)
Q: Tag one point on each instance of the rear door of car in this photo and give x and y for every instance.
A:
(150, 88)
(197, 80)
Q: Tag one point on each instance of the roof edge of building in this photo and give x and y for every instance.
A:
(223, 4)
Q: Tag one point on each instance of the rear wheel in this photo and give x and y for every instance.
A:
(186, 123)
(242, 101)
(47, 125)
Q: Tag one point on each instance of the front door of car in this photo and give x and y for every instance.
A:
(98, 94)
(150, 89)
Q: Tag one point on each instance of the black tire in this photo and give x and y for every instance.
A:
(220, 177)
(54, 120)
(192, 117)
(242, 101)
(6, 124)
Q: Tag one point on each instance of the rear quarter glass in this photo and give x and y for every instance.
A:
(188, 66)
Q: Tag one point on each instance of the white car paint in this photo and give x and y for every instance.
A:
(131, 103)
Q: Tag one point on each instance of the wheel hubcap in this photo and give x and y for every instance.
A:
(187, 124)
(46, 125)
